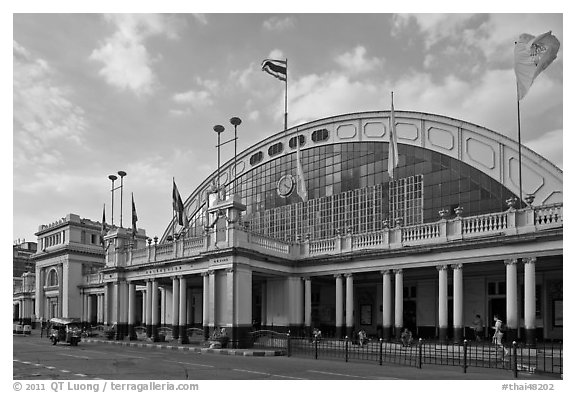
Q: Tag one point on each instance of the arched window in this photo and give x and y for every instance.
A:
(275, 149)
(292, 142)
(256, 158)
(320, 135)
(52, 279)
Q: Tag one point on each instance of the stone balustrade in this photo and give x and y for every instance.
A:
(508, 223)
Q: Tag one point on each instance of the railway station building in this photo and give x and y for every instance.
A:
(446, 238)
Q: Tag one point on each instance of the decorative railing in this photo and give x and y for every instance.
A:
(368, 240)
(193, 243)
(485, 223)
(322, 246)
(508, 223)
(548, 215)
(164, 251)
(418, 233)
(268, 243)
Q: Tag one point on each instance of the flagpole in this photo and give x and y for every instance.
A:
(519, 149)
(286, 98)
(173, 211)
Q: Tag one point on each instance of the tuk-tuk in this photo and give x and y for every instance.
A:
(66, 330)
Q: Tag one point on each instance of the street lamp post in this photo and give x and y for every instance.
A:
(218, 129)
(121, 174)
(113, 178)
(121, 187)
(235, 121)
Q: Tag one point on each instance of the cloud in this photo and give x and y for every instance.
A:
(127, 63)
(46, 120)
(357, 63)
(196, 99)
(279, 24)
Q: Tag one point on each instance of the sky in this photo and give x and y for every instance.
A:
(94, 94)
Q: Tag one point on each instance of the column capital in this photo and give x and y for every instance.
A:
(386, 272)
(230, 270)
(306, 278)
(457, 266)
(441, 267)
(510, 262)
(529, 260)
(211, 272)
(339, 275)
(348, 275)
(398, 271)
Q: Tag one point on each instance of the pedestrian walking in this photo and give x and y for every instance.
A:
(478, 327)
(498, 334)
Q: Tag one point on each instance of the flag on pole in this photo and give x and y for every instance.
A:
(392, 144)
(276, 68)
(134, 217)
(103, 227)
(178, 206)
(532, 55)
(300, 179)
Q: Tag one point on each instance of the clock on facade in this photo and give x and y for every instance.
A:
(285, 185)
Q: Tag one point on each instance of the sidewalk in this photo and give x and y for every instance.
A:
(189, 347)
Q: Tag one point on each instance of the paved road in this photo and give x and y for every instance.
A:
(35, 358)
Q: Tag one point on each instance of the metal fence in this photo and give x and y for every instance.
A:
(516, 357)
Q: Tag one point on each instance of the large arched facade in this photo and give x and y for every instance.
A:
(453, 163)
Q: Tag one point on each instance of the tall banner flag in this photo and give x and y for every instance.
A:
(178, 206)
(392, 144)
(279, 69)
(300, 179)
(134, 217)
(532, 55)
(103, 227)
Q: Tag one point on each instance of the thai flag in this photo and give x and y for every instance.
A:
(276, 68)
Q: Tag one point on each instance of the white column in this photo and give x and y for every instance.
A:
(149, 303)
(529, 293)
(458, 301)
(175, 302)
(230, 297)
(131, 303)
(398, 301)
(386, 299)
(339, 302)
(307, 302)
(155, 299)
(206, 299)
(511, 294)
(212, 299)
(89, 308)
(349, 301)
(123, 302)
(116, 303)
(106, 301)
(84, 297)
(182, 301)
(442, 297)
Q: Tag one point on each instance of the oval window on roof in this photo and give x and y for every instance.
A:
(320, 135)
(292, 142)
(275, 149)
(256, 158)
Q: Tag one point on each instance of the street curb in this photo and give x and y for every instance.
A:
(232, 352)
